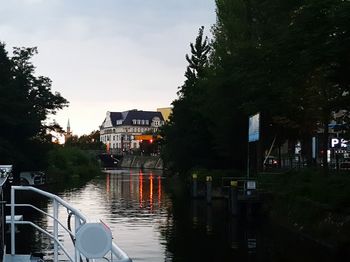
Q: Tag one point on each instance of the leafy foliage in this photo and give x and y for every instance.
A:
(25, 102)
(288, 60)
(187, 139)
(69, 162)
(86, 142)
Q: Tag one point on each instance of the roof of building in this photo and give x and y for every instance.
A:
(128, 116)
(115, 116)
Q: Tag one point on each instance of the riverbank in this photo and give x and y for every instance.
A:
(305, 202)
(314, 205)
(148, 162)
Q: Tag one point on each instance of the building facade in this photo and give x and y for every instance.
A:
(119, 129)
(166, 112)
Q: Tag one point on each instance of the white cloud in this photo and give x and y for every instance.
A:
(114, 55)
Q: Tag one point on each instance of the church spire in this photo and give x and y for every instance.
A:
(68, 133)
(68, 126)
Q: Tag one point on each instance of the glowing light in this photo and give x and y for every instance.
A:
(140, 189)
(151, 191)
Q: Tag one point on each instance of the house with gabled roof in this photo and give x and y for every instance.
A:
(119, 129)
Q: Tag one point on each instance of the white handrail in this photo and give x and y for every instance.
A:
(80, 219)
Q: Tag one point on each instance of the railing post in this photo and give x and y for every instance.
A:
(209, 189)
(13, 231)
(233, 200)
(55, 228)
(77, 224)
(194, 185)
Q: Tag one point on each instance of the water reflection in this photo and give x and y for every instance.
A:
(153, 220)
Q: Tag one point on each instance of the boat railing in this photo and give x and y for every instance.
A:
(114, 254)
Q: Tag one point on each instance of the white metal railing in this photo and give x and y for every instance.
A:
(116, 254)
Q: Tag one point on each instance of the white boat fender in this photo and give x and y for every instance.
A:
(93, 240)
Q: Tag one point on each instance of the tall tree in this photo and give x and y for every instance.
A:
(25, 102)
(187, 142)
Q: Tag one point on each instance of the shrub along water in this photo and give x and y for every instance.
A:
(67, 163)
(312, 204)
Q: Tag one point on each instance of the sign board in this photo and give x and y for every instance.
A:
(254, 128)
(338, 143)
(251, 185)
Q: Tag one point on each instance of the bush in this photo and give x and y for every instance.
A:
(68, 162)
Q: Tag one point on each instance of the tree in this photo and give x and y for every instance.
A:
(25, 102)
(187, 142)
(86, 142)
(318, 44)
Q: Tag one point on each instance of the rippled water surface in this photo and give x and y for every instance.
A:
(153, 220)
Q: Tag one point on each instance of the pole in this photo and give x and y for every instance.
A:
(77, 225)
(234, 198)
(55, 228)
(194, 185)
(248, 162)
(13, 240)
(209, 189)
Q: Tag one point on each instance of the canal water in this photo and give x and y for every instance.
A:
(153, 220)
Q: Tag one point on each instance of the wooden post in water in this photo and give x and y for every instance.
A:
(233, 200)
(194, 185)
(209, 189)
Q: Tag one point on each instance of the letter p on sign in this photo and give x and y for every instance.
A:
(334, 142)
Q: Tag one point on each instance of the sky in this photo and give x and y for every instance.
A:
(107, 55)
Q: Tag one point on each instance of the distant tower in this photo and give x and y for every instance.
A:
(68, 133)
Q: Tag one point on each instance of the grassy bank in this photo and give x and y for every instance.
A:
(69, 163)
(315, 205)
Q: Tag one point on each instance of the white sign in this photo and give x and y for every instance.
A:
(251, 185)
(339, 143)
(254, 128)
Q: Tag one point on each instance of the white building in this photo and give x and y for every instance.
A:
(119, 129)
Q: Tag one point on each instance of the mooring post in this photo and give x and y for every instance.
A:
(234, 198)
(209, 189)
(194, 185)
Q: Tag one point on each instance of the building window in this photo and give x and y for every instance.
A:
(142, 122)
(134, 121)
(138, 121)
(147, 122)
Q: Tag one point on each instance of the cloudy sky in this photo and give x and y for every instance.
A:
(107, 55)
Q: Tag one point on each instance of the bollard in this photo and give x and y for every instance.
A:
(194, 185)
(209, 189)
(209, 220)
(234, 198)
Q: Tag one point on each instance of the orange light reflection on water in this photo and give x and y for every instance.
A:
(140, 189)
(151, 191)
